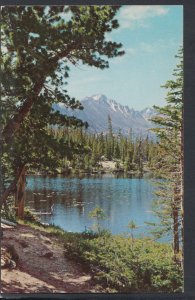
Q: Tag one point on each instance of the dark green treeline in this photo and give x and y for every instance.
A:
(129, 154)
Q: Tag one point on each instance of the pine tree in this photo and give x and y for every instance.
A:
(110, 140)
(170, 163)
(37, 55)
(38, 43)
(116, 153)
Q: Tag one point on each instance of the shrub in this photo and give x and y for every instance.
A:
(147, 268)
(99, 215)
(29, 217)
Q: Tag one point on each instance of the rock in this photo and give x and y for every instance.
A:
(25, 250)
(13, 252)
(48, 242)
(12, 264)
(7, 258)
(44, 224)
(65, 253)
(47, 254)
(5, 262)
(23, 243)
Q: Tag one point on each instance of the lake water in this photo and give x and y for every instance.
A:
(122, 199)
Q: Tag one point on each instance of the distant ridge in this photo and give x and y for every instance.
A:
(98, 107)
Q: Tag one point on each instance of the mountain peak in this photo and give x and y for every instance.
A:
(148, 112)
(98, 107)
(98, 97)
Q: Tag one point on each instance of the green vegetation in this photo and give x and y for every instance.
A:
(38, 44)
(146, 267)
(99, 215)
(116, 265)
(132, 226)
(91, 150)
(169, 163)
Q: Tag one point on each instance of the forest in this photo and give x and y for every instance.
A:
(129, 155)
(37, 45)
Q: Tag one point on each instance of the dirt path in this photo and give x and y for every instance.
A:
(41, 266)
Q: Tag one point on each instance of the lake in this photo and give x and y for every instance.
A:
(72, 198)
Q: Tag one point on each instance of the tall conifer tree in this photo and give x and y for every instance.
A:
(169, 204)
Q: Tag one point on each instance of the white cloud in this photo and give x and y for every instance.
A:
(131, 15)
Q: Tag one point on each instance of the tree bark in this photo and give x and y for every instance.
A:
(14, 124)
(19, 196)
(16, 121)
(175, 232)
(12, 187)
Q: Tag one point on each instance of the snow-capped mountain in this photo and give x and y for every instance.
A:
(97, 108)
(148, 113)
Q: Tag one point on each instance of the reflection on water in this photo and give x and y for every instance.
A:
(72, 198)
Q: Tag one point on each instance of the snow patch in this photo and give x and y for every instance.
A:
(98, 97)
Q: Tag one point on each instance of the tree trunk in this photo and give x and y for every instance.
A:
(175, 224)
(175, 233)
(12, 187)
(14, 124)
(19, 196)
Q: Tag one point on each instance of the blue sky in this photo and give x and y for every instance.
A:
(151, 36)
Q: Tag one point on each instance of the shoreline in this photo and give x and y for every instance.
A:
(105, 167)
(71, 257)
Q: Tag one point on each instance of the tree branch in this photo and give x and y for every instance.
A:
(14, 123)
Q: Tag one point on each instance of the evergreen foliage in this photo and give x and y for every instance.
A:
(99, 215)
(38, 45)
(169, 162)
(144, 266)
(85, 152)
